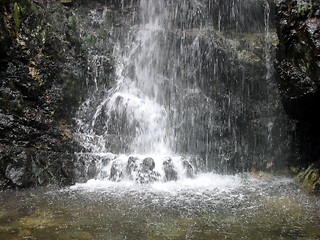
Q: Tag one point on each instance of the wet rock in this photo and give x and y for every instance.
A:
(115, 172)
(148, 163)
(170, 172)
(18, 172)
(142, 173)
(188, 169)
(41, 79)
(145, 176)
(298, 68)
(132, 166)
(92, 169)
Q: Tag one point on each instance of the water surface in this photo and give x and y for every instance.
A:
(210, 206)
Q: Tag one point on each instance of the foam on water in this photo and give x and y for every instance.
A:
(210, 183)
(207, 182)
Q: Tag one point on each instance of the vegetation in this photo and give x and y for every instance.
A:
(310, 178)
(17, 17)
(306, 8)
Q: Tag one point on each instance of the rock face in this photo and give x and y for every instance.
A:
(41, 64)
(298, 67)
(48, 60)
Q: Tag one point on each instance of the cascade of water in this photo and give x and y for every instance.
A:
(136, 109)
(185, 96)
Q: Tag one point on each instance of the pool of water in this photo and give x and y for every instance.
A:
(210, 206)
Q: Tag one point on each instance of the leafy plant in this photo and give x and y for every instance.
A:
(16, 17)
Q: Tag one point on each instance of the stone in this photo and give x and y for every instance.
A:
(115, 173)
(42, 74)
(92, 169)
(188, 169)
(18, 171)
(170, 172)
(148, 163)
(298, 68)
(132, 166)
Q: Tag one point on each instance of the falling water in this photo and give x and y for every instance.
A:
(185, 94)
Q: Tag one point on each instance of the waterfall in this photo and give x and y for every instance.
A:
(188, 94)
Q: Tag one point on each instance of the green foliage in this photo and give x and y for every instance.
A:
(17, 18)
(72, 23)
(310, 177)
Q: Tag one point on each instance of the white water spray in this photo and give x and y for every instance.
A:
(182, 94)
(135, 109)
